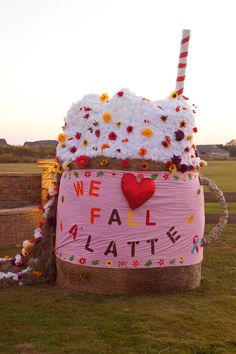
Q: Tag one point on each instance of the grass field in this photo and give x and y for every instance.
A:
(45, 319)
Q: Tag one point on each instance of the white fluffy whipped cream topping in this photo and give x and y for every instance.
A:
(129, 127)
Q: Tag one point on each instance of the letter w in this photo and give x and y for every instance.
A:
(79, 188)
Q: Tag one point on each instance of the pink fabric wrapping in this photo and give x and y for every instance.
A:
(97, 228)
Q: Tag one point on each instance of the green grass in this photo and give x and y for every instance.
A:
(223, 173)
(19, 167)
(45, 319)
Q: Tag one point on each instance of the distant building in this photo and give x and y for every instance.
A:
(212, 151)
(3, 142)
(231, 143)
(41, 143)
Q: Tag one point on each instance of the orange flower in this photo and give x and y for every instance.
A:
(189, 137)
(107, 117)
(62, 137)
(147, 132)
(142, 151)
(105, 146)
(104, 97)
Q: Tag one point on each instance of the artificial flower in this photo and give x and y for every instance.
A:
(173, 168)
(142, 151)
(195, 129)
(107, 117)
(129, 129)
(125, 140)
(179, 135)
(62, 137)
(161, 262)
(125, 163)
(202, 163)
(182, 124)
(109, 263)
(177, 108)
(105, 146)
(181, 259)
(145, 165)
(118, 124)
(104, 97)
(166, 143)
(112, 136)
(173, 95)
(63, 145)
(97, 133)
(176, 159)
(135, 264)
(183, 168)
(189, 137)
(147, 132)
(86, 116)
(73, 149)
(187, 149)
(78, 135)
(163, 118)
(120, 93)
(103, 162)
(82, 160)
(85, 143)
(82, 260)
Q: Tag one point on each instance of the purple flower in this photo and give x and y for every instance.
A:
(176, 159)
(183, 168)
(179, 135)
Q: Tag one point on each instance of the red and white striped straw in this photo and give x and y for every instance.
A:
(182, 62)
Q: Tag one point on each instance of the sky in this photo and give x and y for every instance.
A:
(53, 52)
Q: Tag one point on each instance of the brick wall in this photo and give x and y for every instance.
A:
(19, 189)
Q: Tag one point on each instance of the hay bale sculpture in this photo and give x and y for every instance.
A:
(126, 211)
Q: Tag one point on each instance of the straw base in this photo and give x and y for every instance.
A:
(127, 281)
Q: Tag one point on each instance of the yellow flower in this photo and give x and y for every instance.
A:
(173, 95)
(107, 117)
(63, 145)
(118, 124)
(173, 168)
(181, 259)
(62, 137)
(189, 137)
(147, 132)
(85, 143)
(104, 97)
(109, 263)
(103, 162)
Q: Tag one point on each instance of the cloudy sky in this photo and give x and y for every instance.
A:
(53, 52)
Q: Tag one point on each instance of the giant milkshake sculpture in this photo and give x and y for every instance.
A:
(130, 208)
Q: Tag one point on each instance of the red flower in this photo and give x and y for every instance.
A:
(161, 262)
(118, 150)
(195, 129)
(120, 93)
(135, 264)
(112, 136)
(191, 168)
(97, 133)
(186, 149)
(78, 135)
(166, 176)
(177, 108)
(182, 124)
(73, 149)
(87, 173)
(125, 163)
(86, 116)
(122, 264)
(166, 143)
(82, 160)
(82, 260)
(129, 129)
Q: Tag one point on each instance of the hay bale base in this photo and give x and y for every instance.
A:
(127, 281)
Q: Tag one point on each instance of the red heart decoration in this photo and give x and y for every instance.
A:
(137, 193)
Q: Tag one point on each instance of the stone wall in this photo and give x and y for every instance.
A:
(17, 225)
(19, 189)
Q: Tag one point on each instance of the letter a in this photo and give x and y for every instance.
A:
(115, 217)
(111, 249)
